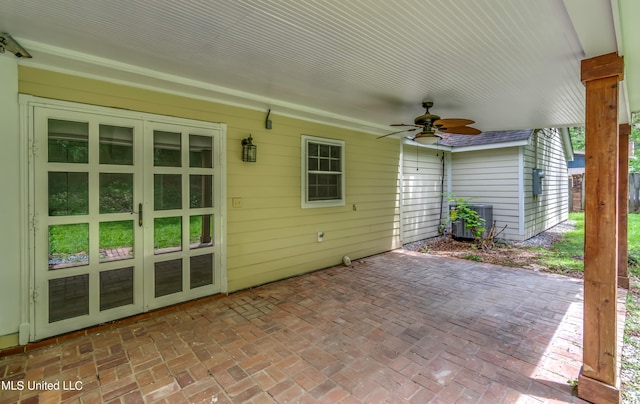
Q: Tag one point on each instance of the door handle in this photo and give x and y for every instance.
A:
(139, 212)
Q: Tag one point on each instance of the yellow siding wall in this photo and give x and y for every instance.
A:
(421, 193)
(270, 237)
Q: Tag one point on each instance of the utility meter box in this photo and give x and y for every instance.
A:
(538, 175)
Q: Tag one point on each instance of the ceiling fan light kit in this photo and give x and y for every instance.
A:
(426, 138)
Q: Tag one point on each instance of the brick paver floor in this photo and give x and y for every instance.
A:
(395, 327)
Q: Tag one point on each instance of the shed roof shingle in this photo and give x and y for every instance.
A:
(484, 138)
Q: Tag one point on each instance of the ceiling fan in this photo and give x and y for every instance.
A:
(431, 124)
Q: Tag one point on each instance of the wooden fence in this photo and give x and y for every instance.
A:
(634, 192)
(576, 201)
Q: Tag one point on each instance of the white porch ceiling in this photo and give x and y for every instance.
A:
(507, 64)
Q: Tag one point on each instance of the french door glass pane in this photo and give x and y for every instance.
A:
(68, 245)
(167, 234)
(68, 193)
(200, 231)
(167, 191)
(116, 193)
(200, 194)
(200, 151)
(166, 149)
(68, 297)
(116, 240)
(116, 145)
(116, 288)
(201, 270)
(68, 142)
(168, 277)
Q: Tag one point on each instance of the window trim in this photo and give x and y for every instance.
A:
(305, 202)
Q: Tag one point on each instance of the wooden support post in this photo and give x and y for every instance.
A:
(623, 207)
(598, 381)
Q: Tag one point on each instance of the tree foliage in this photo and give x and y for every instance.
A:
(578, 141)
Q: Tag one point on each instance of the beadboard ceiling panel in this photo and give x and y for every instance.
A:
(507, 64)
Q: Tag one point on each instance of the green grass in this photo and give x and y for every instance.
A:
(74, 238)
(568, 253)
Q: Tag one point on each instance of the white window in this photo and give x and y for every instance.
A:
(322, 172)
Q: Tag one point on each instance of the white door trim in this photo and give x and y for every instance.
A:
(28, 104)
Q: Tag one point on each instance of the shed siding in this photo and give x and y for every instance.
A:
(490, 177)
(421, 192)
(271, 236)
(552, 206)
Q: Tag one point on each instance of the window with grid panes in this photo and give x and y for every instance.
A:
(323, 172)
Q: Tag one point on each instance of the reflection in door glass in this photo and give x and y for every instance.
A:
(68, 245)
(168, 277)
(167, 234)
(68, 141)
(116, 240)
(68, 297)
(167, 191)
(166, 149)
(200, 194)
(201, 270)
(200, 231)
(68, 193)
(116, 193)
(116, 145)
(116, 288)
(200, 151)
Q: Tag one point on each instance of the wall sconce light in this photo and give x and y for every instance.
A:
(10, 44)
(249, 150)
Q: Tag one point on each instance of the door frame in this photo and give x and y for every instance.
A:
(30, 149)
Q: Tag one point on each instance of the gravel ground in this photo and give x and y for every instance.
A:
(548, 237)
(544, 239)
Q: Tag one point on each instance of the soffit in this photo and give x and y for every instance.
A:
(507, 64)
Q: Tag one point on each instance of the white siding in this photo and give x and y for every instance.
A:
(552, 206)
(490, 177)
(421, 192)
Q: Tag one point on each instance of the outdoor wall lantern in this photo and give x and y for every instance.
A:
(249, 150)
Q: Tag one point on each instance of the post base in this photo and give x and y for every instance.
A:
(596, 391)
(623, 282)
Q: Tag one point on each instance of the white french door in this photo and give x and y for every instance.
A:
(127, 214)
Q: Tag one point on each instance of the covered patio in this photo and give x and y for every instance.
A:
(395, 327)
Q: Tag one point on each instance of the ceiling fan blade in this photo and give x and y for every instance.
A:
(451, 122)
(462, 130)
(393, 133)
(404, 124)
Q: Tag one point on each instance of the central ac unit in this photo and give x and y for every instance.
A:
(458, 229)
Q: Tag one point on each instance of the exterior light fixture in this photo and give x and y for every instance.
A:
(249, 150)
(10, 44)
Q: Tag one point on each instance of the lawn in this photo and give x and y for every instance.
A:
(73, 239)
(568, 252)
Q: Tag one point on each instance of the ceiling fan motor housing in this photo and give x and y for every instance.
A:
(428, 118)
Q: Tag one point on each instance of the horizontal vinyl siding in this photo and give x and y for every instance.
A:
(421, 191)
(270, 237)
(552, 207)
(490, 177)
